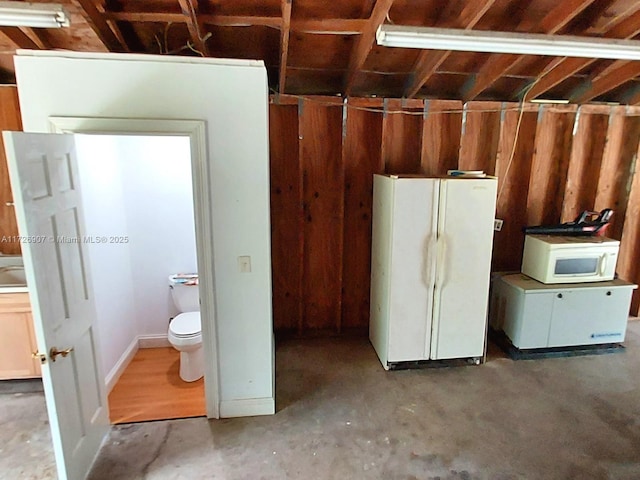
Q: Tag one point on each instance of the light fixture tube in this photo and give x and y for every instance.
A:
(507, 42)
(37, 15)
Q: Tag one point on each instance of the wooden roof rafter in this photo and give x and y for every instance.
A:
(284, 44)
(429, 61)
(592, 88)
(562, 68)
(189, 10)
(99, 24)
(19, 38)
(498, 65)
(365, 42)
(340, 26)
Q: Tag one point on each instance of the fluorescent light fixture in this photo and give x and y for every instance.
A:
(38, 15)
(548, 100)
(507, 42)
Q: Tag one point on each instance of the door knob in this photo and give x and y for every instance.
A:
(54, 352)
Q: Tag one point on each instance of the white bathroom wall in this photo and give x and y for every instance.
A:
(100, 171)
(137, 193)
(161, 226)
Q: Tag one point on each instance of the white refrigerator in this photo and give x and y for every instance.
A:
(430, 266)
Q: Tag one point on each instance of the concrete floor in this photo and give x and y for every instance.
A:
(340, 415)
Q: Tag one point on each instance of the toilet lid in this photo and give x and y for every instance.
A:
(186, 324)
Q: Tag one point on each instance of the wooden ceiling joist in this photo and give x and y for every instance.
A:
(38, 37)
(429, 60)
(498, 65)
(563, 68)
(337, 26)
(284, 44)
(594, 88)
(99, 24)
(194, 26)
(207, 19)
(19, 38)
(365, 42)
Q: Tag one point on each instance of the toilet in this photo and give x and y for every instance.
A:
(185, 332)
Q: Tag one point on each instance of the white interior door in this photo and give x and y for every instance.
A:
(44, 179)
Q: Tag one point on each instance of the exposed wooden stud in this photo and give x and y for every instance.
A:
(628, 265)
(429, 60)
(479, 142)
(323, 196)
(100, 26)
(401, 138)
(554, 139)
(286, 217)
(621, 146)
(365, 42)
(563, 68)
(498, 65)
(19, 38)
(441, 132)
(194, 26)
(361, 159)
(513, 169)
(584, 166)
(284, 44)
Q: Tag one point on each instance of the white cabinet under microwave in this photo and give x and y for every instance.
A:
(565, 259)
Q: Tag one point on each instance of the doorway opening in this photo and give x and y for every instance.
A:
(195, 131)
(140, 237)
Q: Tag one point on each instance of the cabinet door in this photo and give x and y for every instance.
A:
(589, 316)
(16, 343)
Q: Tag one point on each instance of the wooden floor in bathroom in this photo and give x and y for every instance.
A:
(151, 389)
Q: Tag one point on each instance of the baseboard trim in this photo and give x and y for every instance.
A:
(153, 341)
(114, 375)
(251, 407)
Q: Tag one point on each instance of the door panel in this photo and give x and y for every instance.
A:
(412, 268)
(465, 238)
(43, 173)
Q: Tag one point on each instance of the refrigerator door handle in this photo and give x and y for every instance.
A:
(440, 273)
(442, 255)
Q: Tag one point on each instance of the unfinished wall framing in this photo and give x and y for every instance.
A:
(324, 152)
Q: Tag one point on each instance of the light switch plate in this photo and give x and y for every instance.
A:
(244, 264)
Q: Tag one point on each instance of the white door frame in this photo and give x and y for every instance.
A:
(196, 131)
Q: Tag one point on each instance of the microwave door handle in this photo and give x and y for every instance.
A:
(603, 263)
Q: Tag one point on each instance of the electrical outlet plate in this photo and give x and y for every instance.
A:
(497, 224)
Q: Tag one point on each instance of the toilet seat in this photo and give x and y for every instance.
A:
(186, 325)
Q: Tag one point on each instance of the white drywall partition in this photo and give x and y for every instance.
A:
(231, 96)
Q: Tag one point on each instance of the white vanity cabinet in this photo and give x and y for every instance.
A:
(535, 315)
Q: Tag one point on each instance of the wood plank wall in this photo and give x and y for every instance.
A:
(324, 152)
(9, 120)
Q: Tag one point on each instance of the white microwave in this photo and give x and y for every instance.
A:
(566, 259)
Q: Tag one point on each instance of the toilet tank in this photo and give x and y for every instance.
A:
(185, 291)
